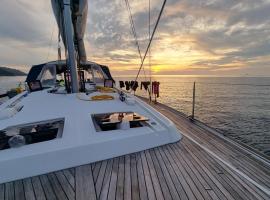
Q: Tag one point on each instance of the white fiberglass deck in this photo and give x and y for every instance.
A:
(80, 142)
(202, 166)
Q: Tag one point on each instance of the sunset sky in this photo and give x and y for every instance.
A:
(195, 37)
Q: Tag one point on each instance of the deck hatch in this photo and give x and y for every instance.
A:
(31, 133)
(118, 121)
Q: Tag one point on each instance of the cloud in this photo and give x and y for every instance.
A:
(22, 21)
(214, 37)
(25, 33)
(250, 13)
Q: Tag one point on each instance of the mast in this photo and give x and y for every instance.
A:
(69, 38)
(71, 17)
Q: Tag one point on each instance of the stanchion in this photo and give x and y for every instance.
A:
(193, 101)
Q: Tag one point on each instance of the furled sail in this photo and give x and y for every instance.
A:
(79, 10)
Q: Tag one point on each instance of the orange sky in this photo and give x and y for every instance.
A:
(215, 38)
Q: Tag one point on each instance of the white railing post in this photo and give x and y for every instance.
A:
(193, 101)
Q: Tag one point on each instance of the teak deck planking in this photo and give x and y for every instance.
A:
(200, 166)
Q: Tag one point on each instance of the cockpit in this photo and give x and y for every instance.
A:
(56, 73)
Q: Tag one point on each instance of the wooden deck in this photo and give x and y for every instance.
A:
(200, 166)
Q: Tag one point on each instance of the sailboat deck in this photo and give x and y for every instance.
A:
(200, 166)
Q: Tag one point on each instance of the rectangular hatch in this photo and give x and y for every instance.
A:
(118, 121)
(31, 133)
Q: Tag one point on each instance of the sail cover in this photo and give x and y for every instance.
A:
(79, 10)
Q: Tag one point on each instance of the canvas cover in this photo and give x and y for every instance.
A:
(79, 10)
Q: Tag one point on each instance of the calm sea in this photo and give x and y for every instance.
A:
(237, 107)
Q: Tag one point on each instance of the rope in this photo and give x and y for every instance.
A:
(52, 33)
(149, 35)
(50, 44)
(151, 39)
(132, 25)
(133, 28)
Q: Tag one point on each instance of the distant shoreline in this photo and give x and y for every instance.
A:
(10, 75)
(5, 71)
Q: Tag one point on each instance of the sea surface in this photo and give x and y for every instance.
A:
(237, 107)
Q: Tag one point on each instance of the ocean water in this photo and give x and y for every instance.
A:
(8, 82)
(237, 107)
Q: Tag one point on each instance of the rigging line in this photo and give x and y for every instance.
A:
(151, 39)
(149, 36)
(132, 25)
(133, 28)
(50, 44)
